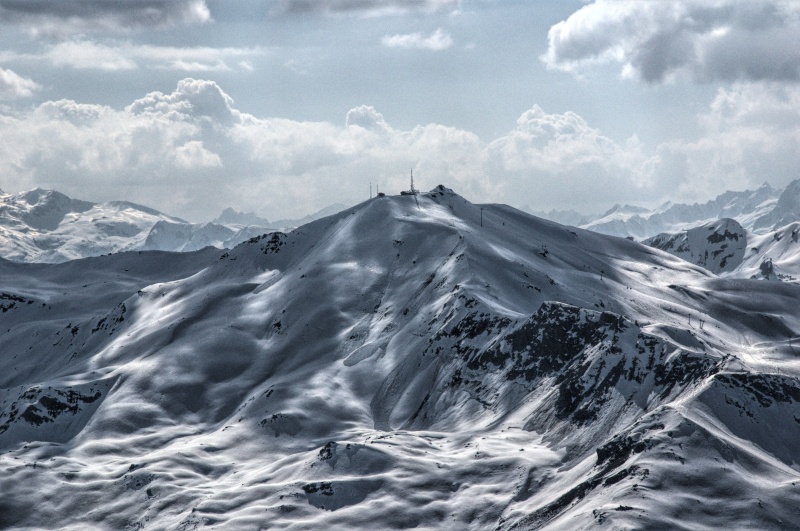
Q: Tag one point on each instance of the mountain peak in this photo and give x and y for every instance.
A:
(625, 209)
(40, 195)
(42, 225)
(787, 209)
(234, 217)
(443, 189)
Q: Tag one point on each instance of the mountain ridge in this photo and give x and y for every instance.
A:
(38, 233)
(47, 226)
(751, 208)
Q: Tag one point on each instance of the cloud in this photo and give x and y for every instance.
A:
(191, 152)
(559, 158)
(193, 100)
(13, 85)
(363, 7)
(192, 155)
(726, 40)
(59, 18)
(750, 134)
(112, 56)
(438, 40)
(367, 118)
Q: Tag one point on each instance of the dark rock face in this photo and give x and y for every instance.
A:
(586, 355)
(49, 413)
(583, 364)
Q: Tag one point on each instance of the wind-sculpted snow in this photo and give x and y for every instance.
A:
(411, 362)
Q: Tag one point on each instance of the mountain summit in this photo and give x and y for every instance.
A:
(413, 361)
(786, 211)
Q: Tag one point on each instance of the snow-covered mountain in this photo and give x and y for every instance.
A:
(47, 226)
(182, 237)
(717, 246)
(786, 211)
(229, 230)
(399, 365)
(748, 208)
(231, 217)
(565, 217)
(724, 247)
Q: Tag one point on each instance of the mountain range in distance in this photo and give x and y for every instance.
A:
(410, 362)
(47, 226)
(758, 210)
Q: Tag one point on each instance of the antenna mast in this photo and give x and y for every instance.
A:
(412, 191)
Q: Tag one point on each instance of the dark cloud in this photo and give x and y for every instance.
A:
(64, 17)
(728, 40)
(361, 6)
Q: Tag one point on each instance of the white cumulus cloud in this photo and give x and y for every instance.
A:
(436, 41)
(750, 134)
(13, 85)
(559, 158)
(192, 153)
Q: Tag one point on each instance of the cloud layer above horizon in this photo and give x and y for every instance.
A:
(192, 153)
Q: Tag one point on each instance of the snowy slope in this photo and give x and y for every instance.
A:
(47, 226)
(400, 364)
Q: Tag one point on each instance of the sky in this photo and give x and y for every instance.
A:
(282, 107)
